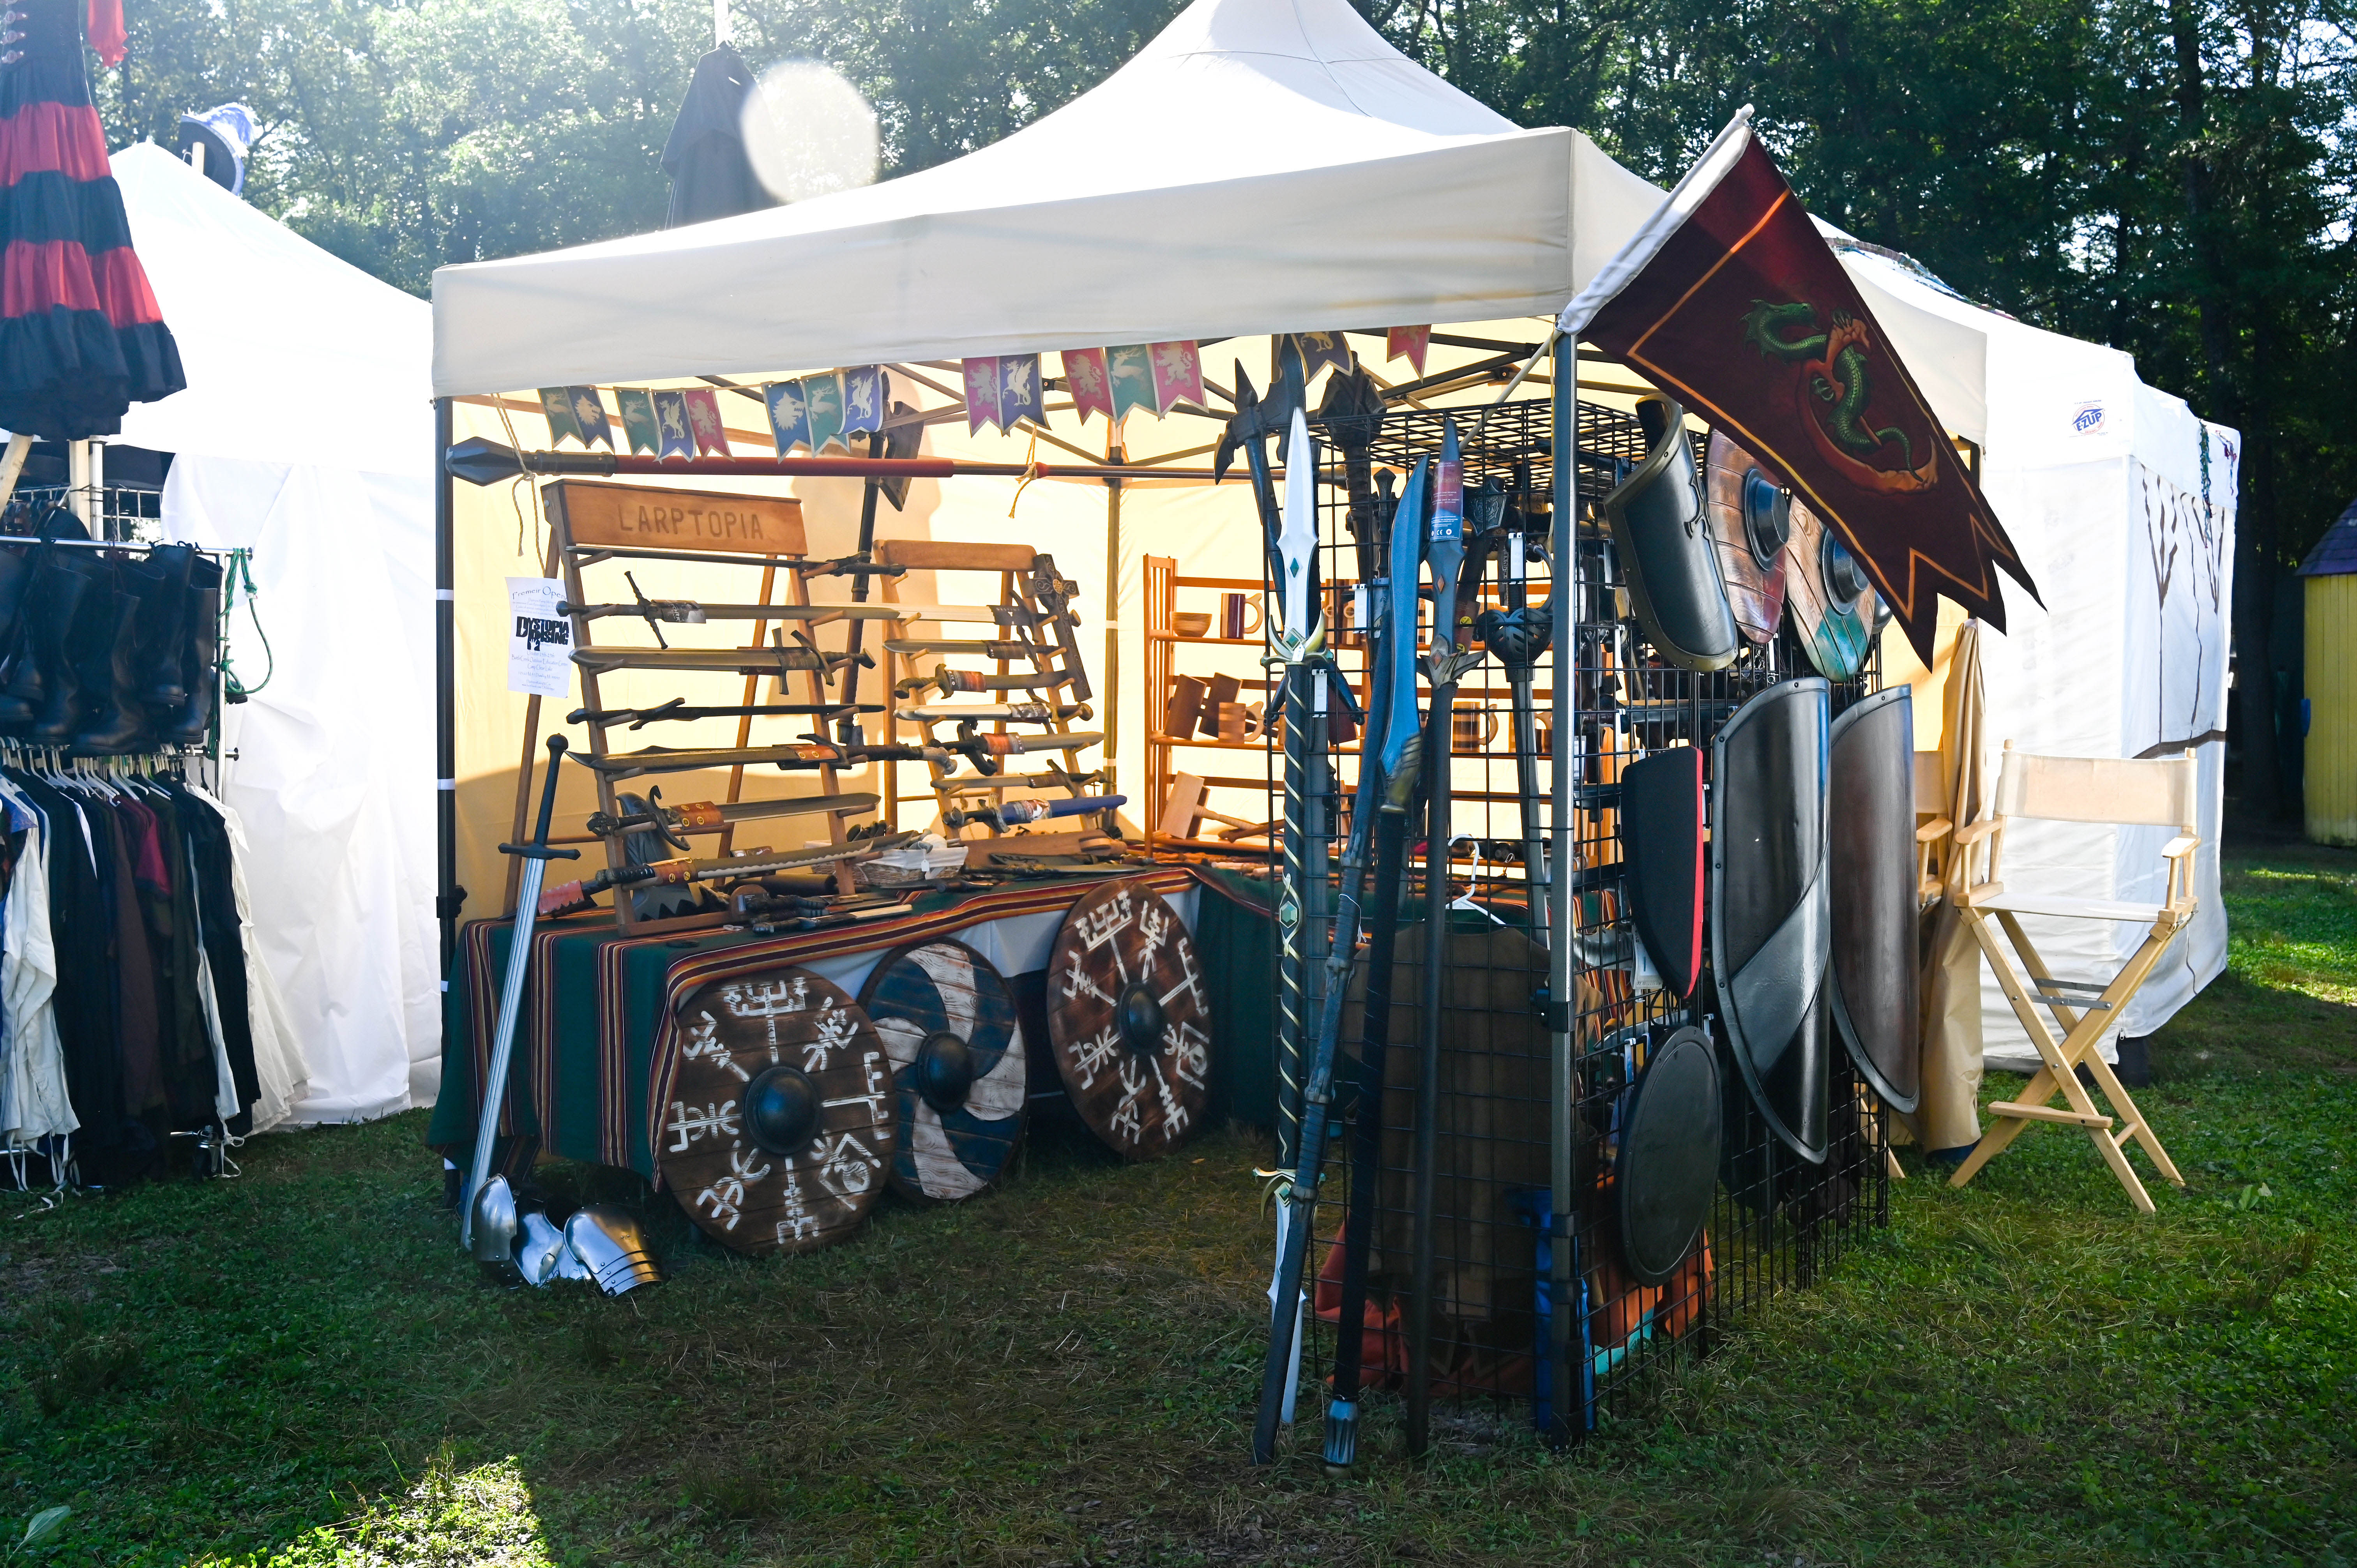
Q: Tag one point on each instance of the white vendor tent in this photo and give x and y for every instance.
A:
(305, 434)
(2122, 503)
(1267, 166)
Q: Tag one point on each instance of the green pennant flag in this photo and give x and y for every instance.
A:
(1129, 367)
(823, 395)
(639, 420)
(556, 402)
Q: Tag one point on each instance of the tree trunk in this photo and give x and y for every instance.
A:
(2255, 563)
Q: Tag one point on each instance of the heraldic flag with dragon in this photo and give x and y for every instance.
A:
(1731, 300)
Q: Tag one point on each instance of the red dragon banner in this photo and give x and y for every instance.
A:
(1731, 301)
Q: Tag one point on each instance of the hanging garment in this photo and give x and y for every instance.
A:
(282, 1076)
(704, 156)
(36, 1102)
(81, 337)
(81, 926)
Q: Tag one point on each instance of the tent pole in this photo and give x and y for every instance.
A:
(1113, 456)
(1567, 1385)
(447, 894)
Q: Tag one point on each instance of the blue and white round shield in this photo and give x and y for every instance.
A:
(948, 1022)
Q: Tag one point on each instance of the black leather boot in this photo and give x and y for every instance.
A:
(112, 681)
(199, 658)
(16, 575)
(163, 614)
(84, 677)
(41, 670)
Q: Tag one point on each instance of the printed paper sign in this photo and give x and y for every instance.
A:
(540, 641)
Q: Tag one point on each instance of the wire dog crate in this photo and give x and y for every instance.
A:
(1487, 1305)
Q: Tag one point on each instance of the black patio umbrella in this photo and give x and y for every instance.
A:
(710, 175)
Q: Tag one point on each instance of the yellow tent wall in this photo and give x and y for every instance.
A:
(2332, 689)
(1212, 532)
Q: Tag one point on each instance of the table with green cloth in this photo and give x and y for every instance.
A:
(591, 1041)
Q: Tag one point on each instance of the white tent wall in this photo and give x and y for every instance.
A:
(326, 762)
(2099, 480)
(305, 434)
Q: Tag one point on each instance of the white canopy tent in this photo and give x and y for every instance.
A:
(305, 435)
(2122, 502)
(1321, 180)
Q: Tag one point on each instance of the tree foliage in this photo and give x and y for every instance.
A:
(2170, 176)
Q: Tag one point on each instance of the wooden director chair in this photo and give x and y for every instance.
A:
(1932, 829)
(2078, 790)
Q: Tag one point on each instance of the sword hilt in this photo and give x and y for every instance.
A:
(538, 848)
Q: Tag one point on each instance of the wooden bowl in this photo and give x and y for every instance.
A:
(1191, 623)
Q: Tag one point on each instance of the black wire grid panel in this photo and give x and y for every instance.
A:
(1776, 1222)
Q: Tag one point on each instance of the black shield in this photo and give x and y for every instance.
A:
(1662, 839)
(1771, 914)
(1667, 1167)
(1665, 550)
(1870, 820)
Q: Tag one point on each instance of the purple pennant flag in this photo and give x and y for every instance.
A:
(1021, 395)
(981, 395)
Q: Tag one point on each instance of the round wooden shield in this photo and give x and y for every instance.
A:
(1666, 1170)
(780, 1134)
(947, 1019)
(1130, 1020)
(1832, 600)
(1748, 519)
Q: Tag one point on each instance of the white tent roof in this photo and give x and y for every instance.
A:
(1262, 165)
(292, 355)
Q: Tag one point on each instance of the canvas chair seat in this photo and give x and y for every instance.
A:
(1989, 896)
(2077, 789)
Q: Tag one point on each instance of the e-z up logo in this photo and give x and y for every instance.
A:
(536, 631)
(2088, 420)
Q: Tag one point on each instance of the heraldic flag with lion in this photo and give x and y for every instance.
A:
(1731, 300)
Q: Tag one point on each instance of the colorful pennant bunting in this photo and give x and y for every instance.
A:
(865, 388)
(671, 424)
(639, 420)
(788, 415)
(1177, 376)
(590, 413)
(1409, 343)
(556, 402)
(823, 397)
(1084, 374)
(1129, 371)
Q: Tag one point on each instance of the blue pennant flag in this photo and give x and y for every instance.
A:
(788, 415)
(1020, 394)
(865, 388)
(671, 427)
(590, 414)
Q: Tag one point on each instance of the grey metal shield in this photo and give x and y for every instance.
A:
(1667, 1168)
(1870, 819)
(1664, 548)
(1771, 913)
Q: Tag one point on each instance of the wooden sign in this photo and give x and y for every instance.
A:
(1130, 1020)
(635, 517)
(780, 1135)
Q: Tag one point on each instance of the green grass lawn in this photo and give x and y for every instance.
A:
(299, 1367)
